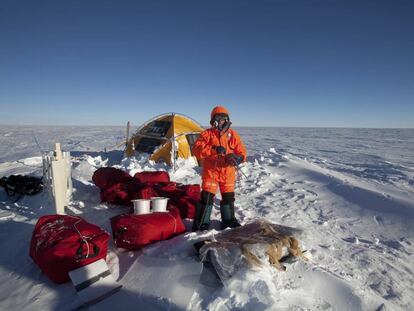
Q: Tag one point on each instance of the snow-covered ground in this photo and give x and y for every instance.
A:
(350, 190)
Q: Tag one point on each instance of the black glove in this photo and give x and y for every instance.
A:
(220, 150)
(234, 159)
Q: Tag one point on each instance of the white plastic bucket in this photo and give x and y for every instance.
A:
(141, 206)
(159, 204)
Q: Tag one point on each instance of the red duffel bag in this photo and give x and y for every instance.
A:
(122, 193)
(152, 177)
(62, 243)
(135, 231)
(193, 191)
(106, 177)
(187, 207)
(184, 197)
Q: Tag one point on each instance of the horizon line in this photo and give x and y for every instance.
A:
(239, 126)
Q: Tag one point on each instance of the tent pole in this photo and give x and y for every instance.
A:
(173, 142)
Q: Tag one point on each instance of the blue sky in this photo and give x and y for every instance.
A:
(272, 63)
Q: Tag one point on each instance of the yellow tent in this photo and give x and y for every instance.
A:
(166, 137)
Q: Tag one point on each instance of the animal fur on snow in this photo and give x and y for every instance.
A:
(255, 242)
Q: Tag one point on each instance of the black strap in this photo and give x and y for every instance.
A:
(79, 251)
(21, 196)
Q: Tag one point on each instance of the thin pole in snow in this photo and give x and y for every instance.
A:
(37, 143)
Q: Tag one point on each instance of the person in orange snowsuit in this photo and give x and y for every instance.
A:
(220, 150)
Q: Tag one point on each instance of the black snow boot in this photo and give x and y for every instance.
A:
(228, 219)
(203, 212)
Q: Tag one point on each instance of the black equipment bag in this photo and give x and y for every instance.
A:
(21, 185)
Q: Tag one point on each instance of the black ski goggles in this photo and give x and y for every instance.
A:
(220, 116)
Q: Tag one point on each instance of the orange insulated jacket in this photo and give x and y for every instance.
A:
(216, 172)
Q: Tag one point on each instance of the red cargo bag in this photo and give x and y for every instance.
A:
(184, 197)
(62, 243)
(152, 177)
(193, 191)
(189, 202)
(106, 177)
(135, 231)
(187, 207)
(147, 193)
(122, 193)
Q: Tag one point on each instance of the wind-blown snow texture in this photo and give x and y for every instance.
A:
(350, 190)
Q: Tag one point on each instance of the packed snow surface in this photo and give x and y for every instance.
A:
(351, 191)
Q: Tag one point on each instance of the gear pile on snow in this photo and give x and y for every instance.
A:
(118, 187)
(62, 243)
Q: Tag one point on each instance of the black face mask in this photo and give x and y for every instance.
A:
(216, 121)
